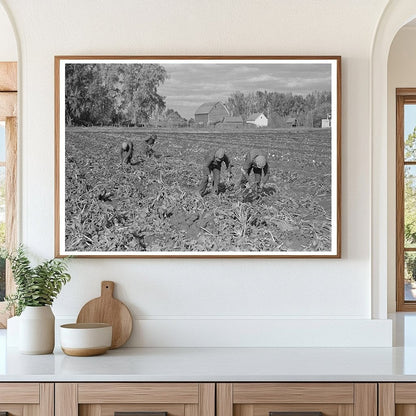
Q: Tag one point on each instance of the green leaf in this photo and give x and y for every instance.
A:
(35, 286)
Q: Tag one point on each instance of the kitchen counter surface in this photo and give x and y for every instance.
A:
(215, 364)
(222, 364)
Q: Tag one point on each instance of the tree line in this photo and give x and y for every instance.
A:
(127, 95)
(308, 110)
(110, 95)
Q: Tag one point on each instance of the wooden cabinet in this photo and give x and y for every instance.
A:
(208, 399)
(27, 399)
(397, 399)
(331, 399)
(105, 399)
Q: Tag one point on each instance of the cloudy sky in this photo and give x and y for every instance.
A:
(190, 85)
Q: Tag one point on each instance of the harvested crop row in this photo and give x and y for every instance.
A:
(153, 206)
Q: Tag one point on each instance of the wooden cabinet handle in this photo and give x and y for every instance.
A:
(295, 413)
(139, 414)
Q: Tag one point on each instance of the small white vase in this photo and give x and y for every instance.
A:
(37, 330)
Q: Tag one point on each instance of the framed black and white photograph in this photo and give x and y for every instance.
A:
(198, 156)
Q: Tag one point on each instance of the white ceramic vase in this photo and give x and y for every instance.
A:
(37, 330)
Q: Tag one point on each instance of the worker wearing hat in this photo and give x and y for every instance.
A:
(126, 151)
(212, 165)
(256, 161)
(145, 148)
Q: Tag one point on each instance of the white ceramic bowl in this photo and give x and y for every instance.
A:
(83, 340)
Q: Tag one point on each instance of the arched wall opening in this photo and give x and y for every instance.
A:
(8, 138)
(401, 74)
(396, 15)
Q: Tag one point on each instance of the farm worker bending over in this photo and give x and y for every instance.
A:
(126, 151)
(145, 148)
(255, 161)
(212, 165)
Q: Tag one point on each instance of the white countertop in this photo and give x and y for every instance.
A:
(215, 364)
(221, 364)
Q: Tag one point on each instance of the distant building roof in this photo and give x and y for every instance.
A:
(233, 119)
(254, 116)
(205, 108)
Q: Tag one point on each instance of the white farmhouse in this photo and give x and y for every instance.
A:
(258, 119)
(326, 122)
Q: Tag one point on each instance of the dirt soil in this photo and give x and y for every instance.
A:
(153, 205)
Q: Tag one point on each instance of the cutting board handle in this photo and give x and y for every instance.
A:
(107, 289)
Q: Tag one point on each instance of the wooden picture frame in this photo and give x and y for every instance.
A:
(145, 145)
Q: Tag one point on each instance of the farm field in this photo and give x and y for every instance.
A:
(154, 206)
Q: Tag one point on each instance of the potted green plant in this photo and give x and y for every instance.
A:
(36, 289)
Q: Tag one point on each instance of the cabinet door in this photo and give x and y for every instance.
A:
(142, 399)
(26, 399)
(297, 399)
(397, 399)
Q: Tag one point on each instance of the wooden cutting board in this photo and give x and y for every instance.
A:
(108, 310)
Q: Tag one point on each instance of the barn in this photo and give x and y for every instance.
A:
(258, 119)
(210, 113)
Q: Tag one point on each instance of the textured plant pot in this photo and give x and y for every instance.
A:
(37, 330)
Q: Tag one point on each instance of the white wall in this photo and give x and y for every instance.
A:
(290, 301)
(8, 47)
(401, 74)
